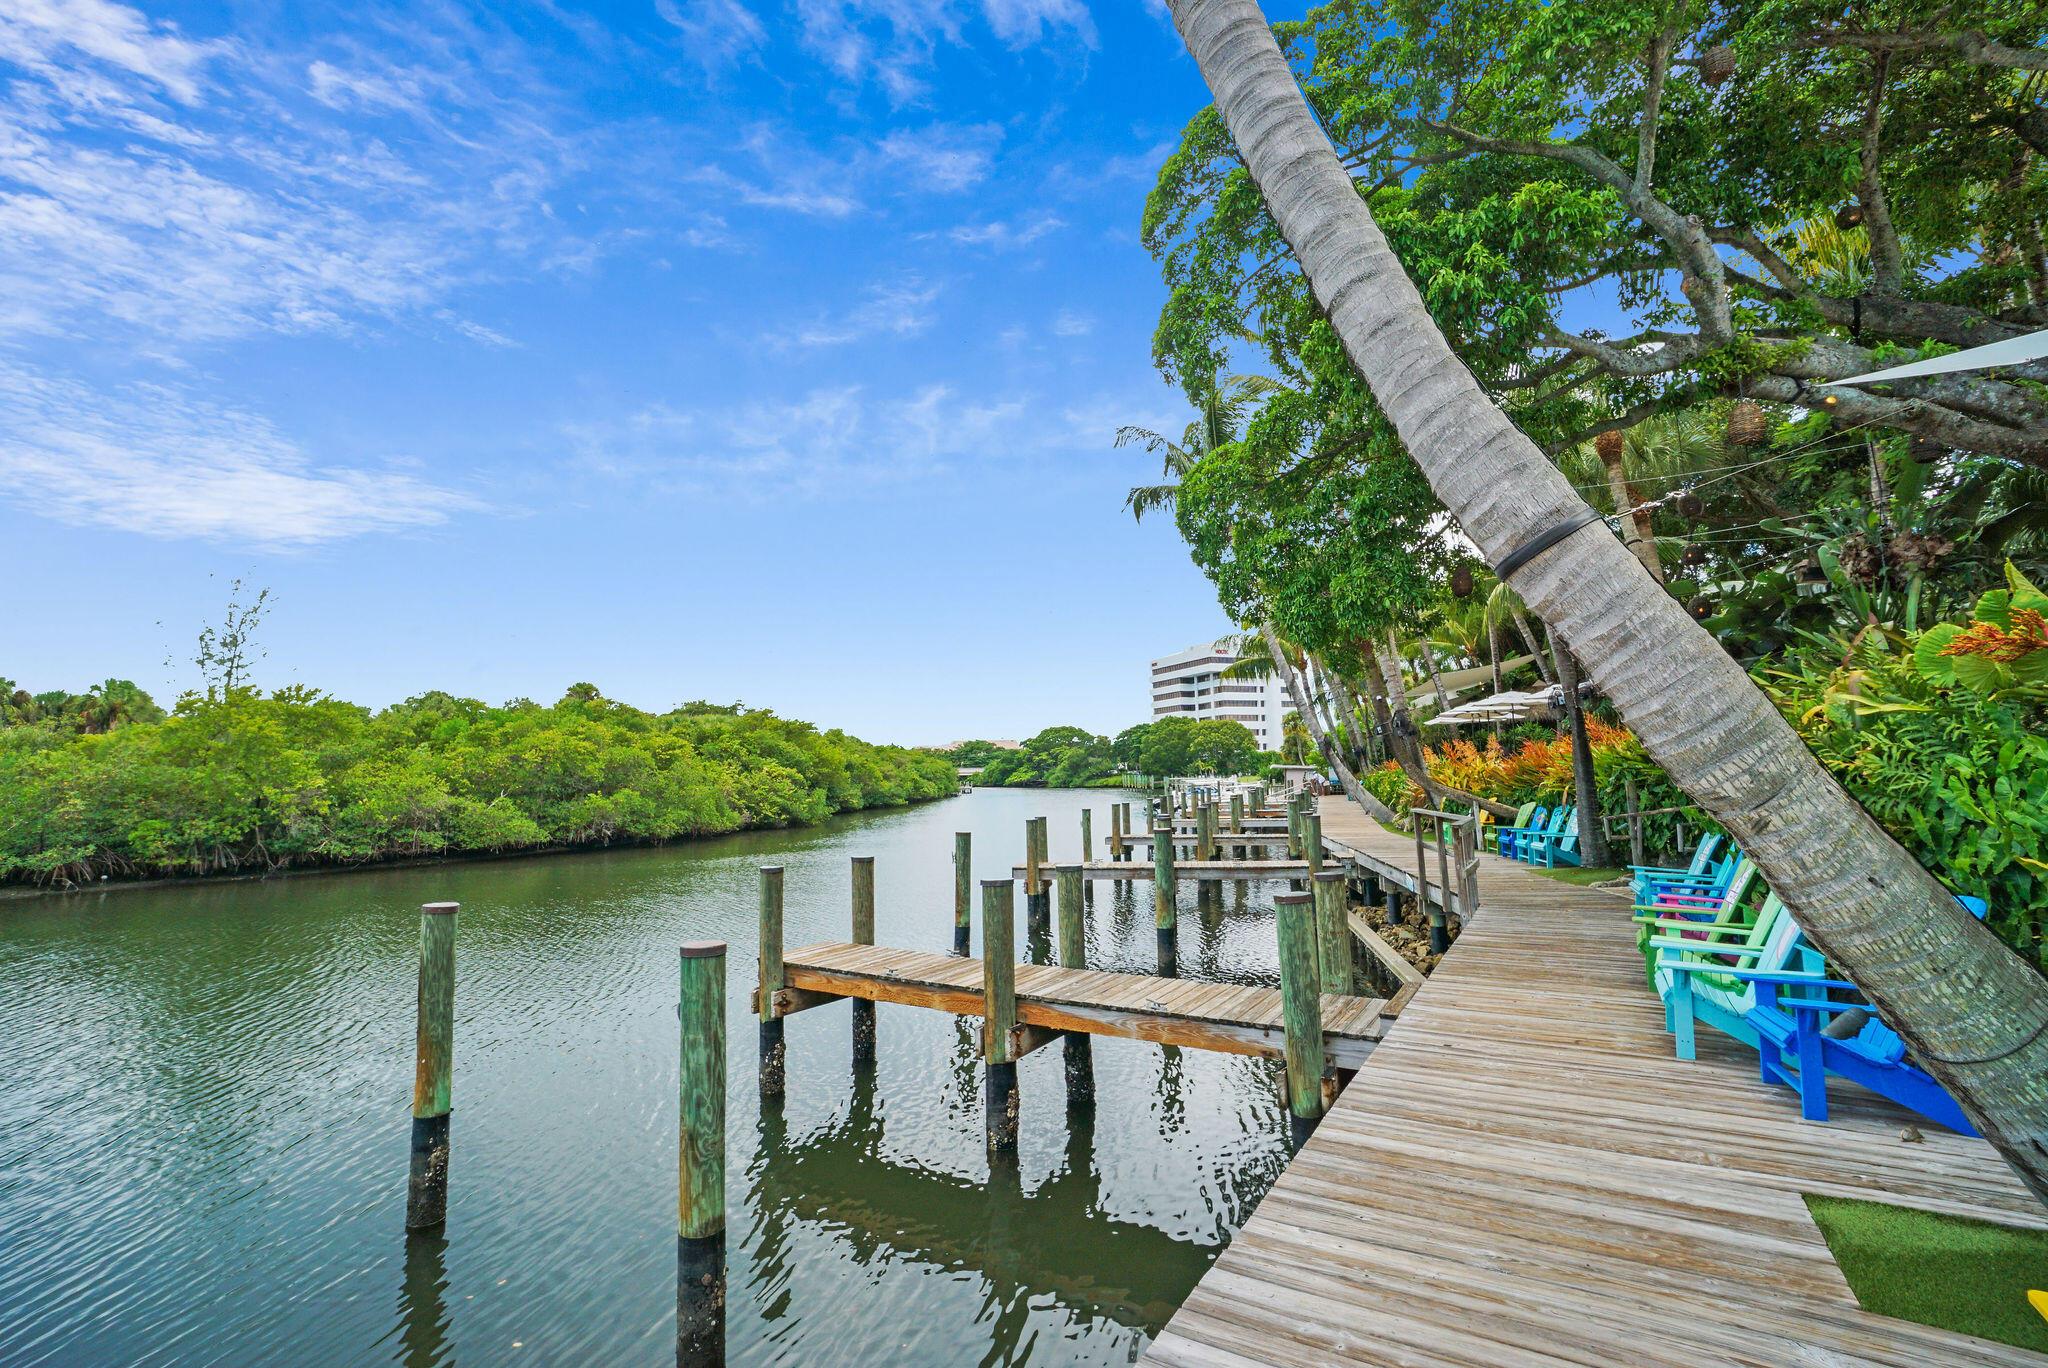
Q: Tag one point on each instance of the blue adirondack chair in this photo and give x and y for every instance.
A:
(1709, 977)
(1505, 842)
(1646, 880)
(1522, 836)
(1551, 849)
(1796, 1048)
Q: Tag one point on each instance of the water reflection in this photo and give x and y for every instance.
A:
(202, 1152)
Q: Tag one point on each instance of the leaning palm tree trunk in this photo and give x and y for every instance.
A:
(1303, 705)
(1970, 1009)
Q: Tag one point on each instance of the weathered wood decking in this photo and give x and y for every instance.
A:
(1167, 1011)
(1523, 1174)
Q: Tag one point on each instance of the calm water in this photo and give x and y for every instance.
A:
(203, 1128)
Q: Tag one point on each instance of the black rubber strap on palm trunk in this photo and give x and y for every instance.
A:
(1544, 540)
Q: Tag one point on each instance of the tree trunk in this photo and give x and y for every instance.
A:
(1636, 528)
(1354, 730)
(1967, 1006)
(1436, 680)
(1586, 789)
(1348, 781)
(1528, 634)
(1404, 739)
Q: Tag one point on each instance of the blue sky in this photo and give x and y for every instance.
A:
(697, 348)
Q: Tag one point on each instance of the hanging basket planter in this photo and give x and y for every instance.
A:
(1849, 216)
(1461, 581)
(1609, 445)
(1689, 505)
(1717, 64)
(1700, 606)
(1748, 424)
(1694, 555)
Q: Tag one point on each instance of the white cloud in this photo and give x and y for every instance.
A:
(158, 460)
(891, 41)
(947, 158)
(1008, 236)
(1071, 323)
(1021, 22)
(717, 32)
(786, 174)
(45, 35)
(900, 308)
(830, 440)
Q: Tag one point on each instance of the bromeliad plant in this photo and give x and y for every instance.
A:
(2002, 654)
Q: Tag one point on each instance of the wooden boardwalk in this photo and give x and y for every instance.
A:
(1522, 1173)
(1167, 1011)
(1182, 869)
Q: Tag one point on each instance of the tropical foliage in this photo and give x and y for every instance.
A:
(1072, 757)
(236, 780)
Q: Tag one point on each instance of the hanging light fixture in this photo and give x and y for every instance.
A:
(1461, 580)
(1748, 424)
(1717, 64)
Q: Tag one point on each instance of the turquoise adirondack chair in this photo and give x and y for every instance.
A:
(1559, 815)
(1492, 832)
(1550, 850)
(1801, 1040)
(1647, 880)
(1694, 914)
(1706, 979)
(1536, 820)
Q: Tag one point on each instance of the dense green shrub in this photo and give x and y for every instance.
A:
(244, 781)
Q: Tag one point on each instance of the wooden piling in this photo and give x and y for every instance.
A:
(1116, 831)
(1087, 834)
(1163, 903)
(1300, 1010)
(1312, 839)
(771, 981)
(999, 1014)
(1205, 832)
(1293, 829)
(863, 934)
(963, 891)
(1074, 955)
(1333, 931)
(433, 1079)
(1037, 897)
(700, 1157)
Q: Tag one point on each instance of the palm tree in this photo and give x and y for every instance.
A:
(1295, 744)
(1285, 661)
(1968, 1006)
(1222, 413)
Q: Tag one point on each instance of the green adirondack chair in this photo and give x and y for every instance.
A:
(1489, 831)
(1685, 914)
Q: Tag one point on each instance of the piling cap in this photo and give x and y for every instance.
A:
(1327, 875)
(1292, 899)
(863, 859)
(703, 949)
(440, 909)
(997, 883)
(1074, 868)
(771, 869)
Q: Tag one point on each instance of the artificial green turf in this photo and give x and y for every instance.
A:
(1572, 875)
(1945, 1271)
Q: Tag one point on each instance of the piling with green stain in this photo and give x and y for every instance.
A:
(1074, 955)
(999, 1011)
(772, 981)
(433, 1079)
(963, 891)
(863, 934)
(1312, 839)
(1205, 831)
(1087, 834)
(1301, 1014)
(1037, 897)
(1163, 900)
(700, 1156)
(1333, 932)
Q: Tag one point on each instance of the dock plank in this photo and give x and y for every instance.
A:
(1523, 1174)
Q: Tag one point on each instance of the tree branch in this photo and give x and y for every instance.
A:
(1659, 61)
(1970, 44)
(1887, 261)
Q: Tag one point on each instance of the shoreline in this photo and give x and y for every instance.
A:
(17, 893)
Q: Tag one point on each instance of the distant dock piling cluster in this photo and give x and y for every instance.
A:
(1316, 1023)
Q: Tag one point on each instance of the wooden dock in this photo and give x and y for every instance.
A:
(1166, 1011)
(1186, 869)
(1522, 1173)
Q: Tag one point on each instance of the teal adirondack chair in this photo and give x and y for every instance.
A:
(1692, 914)
(1521, 837)
(1550, 850)
(1536, 820)
(1647, 880)
(1699, 979)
